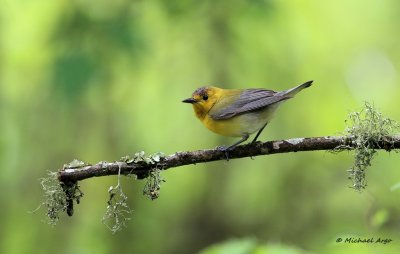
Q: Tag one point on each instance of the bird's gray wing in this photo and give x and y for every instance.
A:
(249, 100)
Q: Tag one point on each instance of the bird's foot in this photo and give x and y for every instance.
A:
(224, 149)
(221, 148)
(255, 142)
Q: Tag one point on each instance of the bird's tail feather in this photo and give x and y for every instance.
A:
(293, 91)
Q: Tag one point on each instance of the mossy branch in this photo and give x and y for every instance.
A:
(142, 169)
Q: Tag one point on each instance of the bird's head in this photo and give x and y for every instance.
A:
(203, 99)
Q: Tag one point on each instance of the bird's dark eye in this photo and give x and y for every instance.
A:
(205, 97)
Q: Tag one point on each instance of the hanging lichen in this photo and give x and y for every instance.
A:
(365, 130)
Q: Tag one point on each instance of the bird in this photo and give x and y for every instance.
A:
(238, 112)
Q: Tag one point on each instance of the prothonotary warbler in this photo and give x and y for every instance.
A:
(238, 112)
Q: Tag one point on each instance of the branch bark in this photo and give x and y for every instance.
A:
(141, 169)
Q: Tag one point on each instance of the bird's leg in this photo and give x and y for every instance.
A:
(244, 138)
(258, 133)
(229, 148)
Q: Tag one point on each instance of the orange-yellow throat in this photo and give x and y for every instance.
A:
(238, 112)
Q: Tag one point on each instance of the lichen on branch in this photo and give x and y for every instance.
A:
(58, 197)
(367, 130)
(118, 211)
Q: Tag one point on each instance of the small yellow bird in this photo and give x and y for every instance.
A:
(238, 112)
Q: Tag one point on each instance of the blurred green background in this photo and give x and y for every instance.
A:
(96, 80)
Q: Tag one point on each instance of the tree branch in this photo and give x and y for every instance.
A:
(142, 169)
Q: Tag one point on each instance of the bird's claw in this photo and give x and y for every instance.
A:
(225, 150)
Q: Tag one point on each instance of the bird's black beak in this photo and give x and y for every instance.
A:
(189, 100)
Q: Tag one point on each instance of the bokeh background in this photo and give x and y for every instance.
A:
(97, 80)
